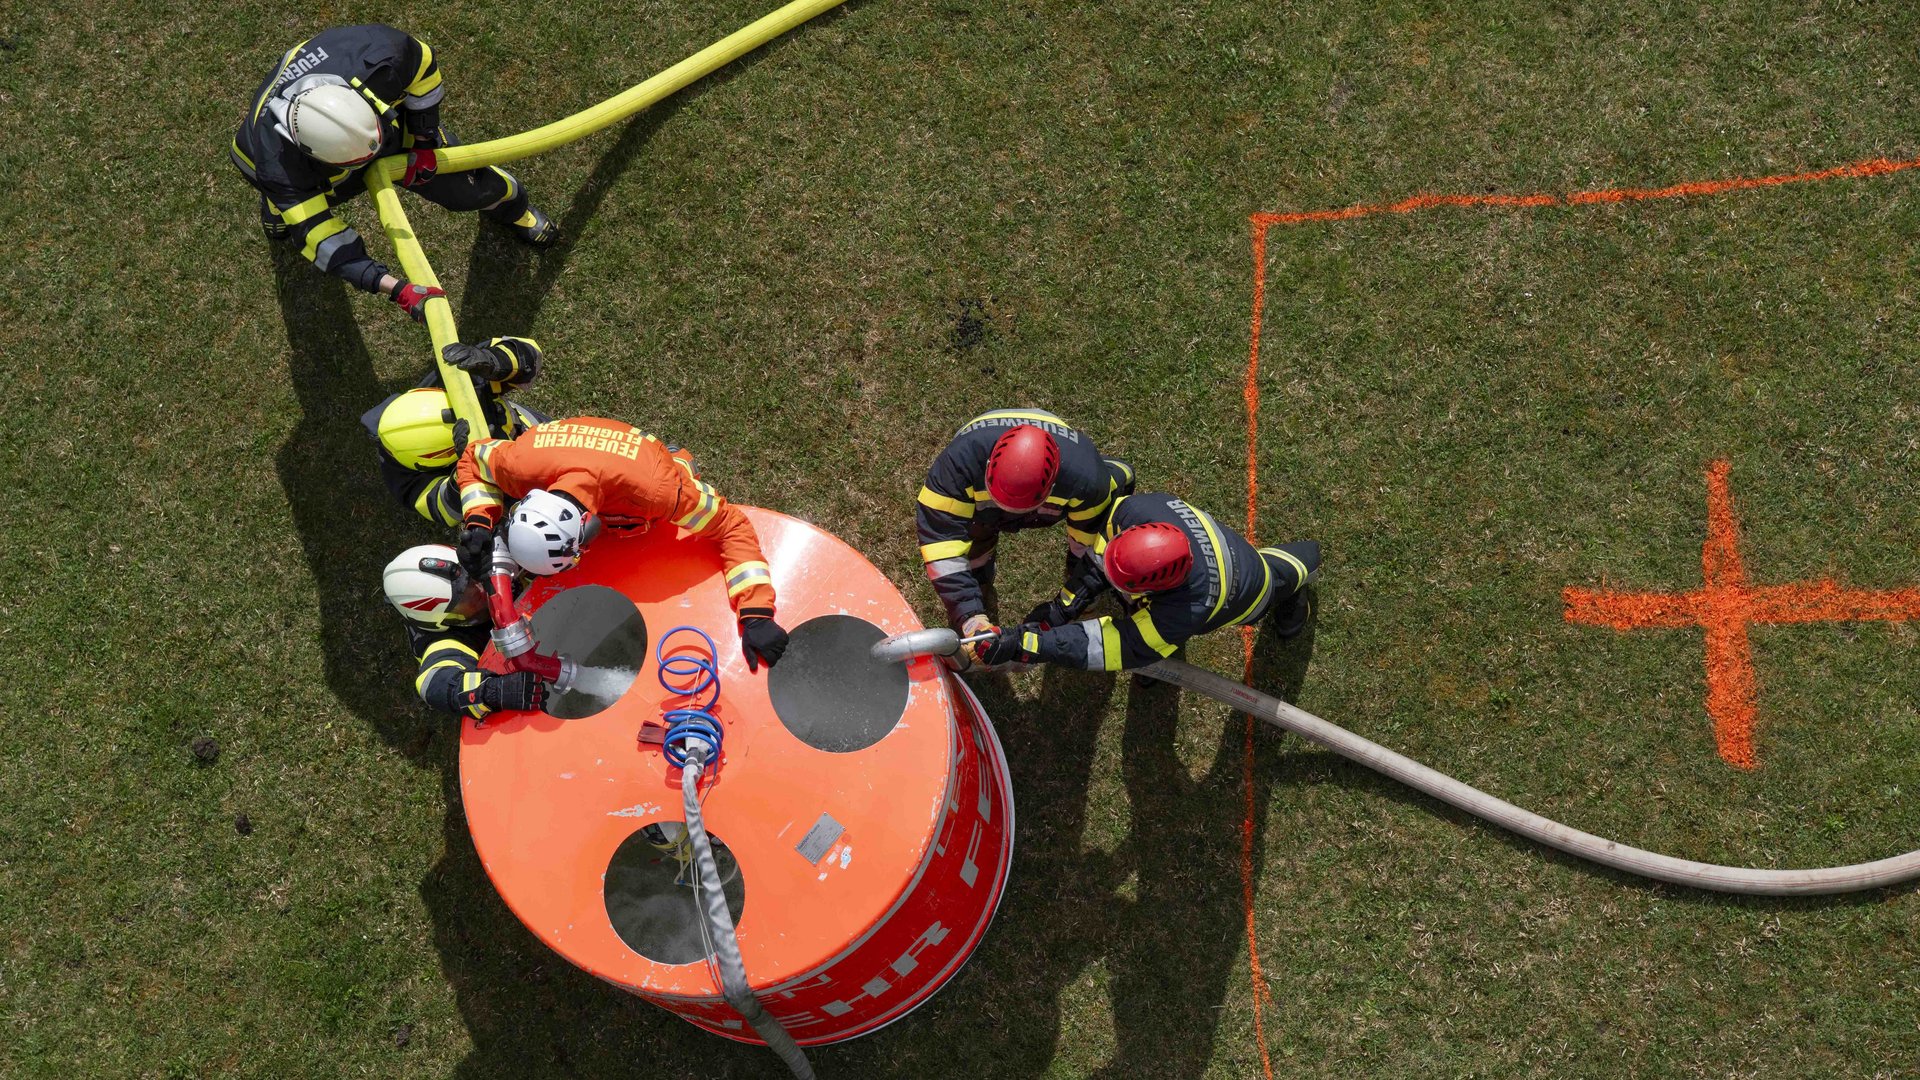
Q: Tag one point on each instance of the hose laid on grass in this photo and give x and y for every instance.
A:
(1729, 879)
(694, 737)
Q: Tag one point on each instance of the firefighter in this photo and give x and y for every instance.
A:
(1005, 471)
(334, 103)
(1181, 573)
(415, 430)
(573, 476)
(447, 626)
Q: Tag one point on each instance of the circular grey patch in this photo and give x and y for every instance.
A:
(655, 915)
(601, 630)
(830, 692)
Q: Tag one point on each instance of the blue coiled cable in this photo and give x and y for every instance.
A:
(693, 721)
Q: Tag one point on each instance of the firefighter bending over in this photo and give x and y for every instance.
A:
(415, 430)
(1182, 574)
(335, 102)
(448, 626)
(572, 476)
(1006, 471)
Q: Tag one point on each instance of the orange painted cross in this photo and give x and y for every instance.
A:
(1724, 606)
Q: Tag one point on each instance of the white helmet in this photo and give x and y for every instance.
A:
(426, 584)
(546, 533)
(331, 122)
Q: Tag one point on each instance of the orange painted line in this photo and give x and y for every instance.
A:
(1725, 606)
(1250, 393)
(1852, 171)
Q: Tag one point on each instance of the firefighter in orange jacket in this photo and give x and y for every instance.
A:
(572, 476)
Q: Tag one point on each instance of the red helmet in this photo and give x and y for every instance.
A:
(1148, 558)
(1021, 468)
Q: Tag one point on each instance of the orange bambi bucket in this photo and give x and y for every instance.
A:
(862, 811)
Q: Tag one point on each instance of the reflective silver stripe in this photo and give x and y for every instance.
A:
(240, 163)
(324, 252)
(940, 568)
(428, 99)
(1096, 645)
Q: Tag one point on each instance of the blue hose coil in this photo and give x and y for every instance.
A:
(693, 721)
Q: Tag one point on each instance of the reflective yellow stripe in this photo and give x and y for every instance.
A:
(450, 646)
(945, 549)
(426, 61)
(1266, 586)
(746, 569)
(480, 495)
(1298, 566)
(980, 498)
(1018, 414)
(274, 83)
(1111, 523)
(420, 681)
(1110, 642)
(933, 500)
(296, 215)
(321, 232)
(753, 578)
(1088, 514)
(483, 459)
(1220, 560)
(1081, 536)
(242, 155)
(424, 504)
(379, 106)
(702, 515)
(1029, 642)
(1143, 622)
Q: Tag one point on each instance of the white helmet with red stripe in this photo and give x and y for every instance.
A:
(426, 584)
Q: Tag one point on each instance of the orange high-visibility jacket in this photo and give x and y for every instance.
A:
(626, 477)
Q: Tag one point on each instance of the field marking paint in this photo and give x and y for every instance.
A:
(1251, 395)
(1724, 606)
(1854, 171)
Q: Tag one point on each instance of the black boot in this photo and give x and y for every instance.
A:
(1289, 617)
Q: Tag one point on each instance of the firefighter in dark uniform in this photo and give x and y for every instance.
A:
(1182, 574)
(332, 104)
(1005, 471)
(448, 628)
(416, 430)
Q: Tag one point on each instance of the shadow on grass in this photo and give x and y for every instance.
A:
(349, 526)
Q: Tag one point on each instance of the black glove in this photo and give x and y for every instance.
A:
(1009, 647)
(479, 360)
(461, 435)
(476, 553)
(517, 692)
(1050, 614)
(761, 640)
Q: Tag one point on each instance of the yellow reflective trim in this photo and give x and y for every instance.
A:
(1018, 414)
(483, 459)
(1110, 642)
(297, 214)
(755, 567)
(1029, 642)
(481, 495)
(1266, 586)
(242, 155)
(274, 83)
(1143, 622)
(979, 497)
(1081, 536)
(1220, 560)
(760, 577)
(945, 549)
(702, 515)
(1114, 514)
(321, 232)
(1297, 565)
(426, 61)
(1057, 500)
(1088, 514)
(423, 505)
(450, 645)
(933, 500)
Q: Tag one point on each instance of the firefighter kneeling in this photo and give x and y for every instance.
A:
(1182, 574)
(448, 627)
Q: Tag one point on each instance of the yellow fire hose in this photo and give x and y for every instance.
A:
(413, 260)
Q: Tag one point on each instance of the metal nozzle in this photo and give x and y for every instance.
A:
(569, 671)
(901, 648)
(514, 638)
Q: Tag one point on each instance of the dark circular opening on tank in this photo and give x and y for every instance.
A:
(829, 692)
(656, 915)
(602, 631)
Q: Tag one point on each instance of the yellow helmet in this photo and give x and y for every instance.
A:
(416, 429)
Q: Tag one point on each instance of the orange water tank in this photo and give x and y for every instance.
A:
(863, 810)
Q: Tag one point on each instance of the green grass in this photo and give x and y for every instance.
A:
(1471, 409)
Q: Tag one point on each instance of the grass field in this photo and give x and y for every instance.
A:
(814, 266)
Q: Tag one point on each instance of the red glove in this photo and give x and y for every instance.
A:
(420, 166)
(413, 299)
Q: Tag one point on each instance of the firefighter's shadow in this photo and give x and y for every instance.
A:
(347, 523)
